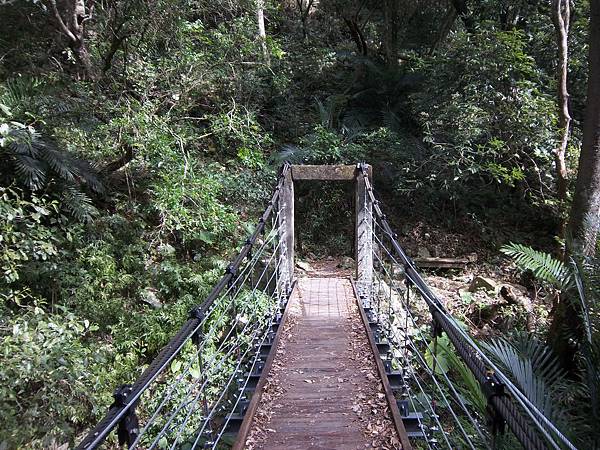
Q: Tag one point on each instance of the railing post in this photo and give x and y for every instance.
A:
(364, 235)
(286, 225)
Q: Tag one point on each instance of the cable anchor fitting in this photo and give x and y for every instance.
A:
(436, 328)
(249, 244)
(493, 387)
(231, 270)
(197, 313)
(128, 428)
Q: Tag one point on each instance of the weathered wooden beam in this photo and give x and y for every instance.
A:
(442, 263)
(244, 431)
(387, 389)
(324, 173)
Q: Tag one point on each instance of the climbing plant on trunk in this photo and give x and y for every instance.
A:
(561, 17)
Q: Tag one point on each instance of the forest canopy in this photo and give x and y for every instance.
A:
(140, 139)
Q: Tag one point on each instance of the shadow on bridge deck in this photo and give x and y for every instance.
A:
(323, 390)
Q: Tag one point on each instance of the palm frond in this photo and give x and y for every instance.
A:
(30, 170)
(59, 162)
(291, 153)
(582, 296)
(543, 265)
(16, 94)
(535, 371)
(36, 163)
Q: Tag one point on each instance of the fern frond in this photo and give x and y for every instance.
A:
(543, 265)
(78, 204)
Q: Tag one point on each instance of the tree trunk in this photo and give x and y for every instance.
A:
(584, 221)
(83, 56)
(390, 9)
(70, 20)
(304, 7)
(565, 330)
(561, 16)
(464, 14)
(357, 36)
(447, 23)
(262, 34)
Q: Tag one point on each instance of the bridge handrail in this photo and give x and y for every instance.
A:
(127, 396)
(482, 367)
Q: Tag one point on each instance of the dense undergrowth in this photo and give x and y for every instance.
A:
(124, 194)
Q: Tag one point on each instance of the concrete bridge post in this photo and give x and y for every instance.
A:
(364, 235)
(286, 225)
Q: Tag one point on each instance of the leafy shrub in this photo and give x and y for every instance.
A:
(485, 115)
(48, 377)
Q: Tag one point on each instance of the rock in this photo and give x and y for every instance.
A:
(483, 284)
(516, 294)
(304, 266)
(472, 257)
(166, 249)
(423, 252)
(346, 263)
(467, 279)
(149, 297)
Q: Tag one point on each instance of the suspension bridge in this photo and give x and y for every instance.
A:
(272, 360)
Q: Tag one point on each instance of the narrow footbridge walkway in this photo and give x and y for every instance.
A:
(270, 360)
(323, 387)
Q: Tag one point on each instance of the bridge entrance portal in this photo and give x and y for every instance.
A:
(363, 241)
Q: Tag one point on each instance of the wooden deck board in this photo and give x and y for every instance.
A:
(322, 381)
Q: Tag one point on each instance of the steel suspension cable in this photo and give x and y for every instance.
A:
(506, 408)
(130, 397)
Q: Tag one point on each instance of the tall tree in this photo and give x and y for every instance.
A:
(585, 211)
(584, 221)
(262, 34)
(390, 12)
(561, 17)
(70, 17)
(304, 7)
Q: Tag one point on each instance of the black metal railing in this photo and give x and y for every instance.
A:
(194, 392)
(418, 336)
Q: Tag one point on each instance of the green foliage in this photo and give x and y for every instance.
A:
(536, 372)
(238, 133)
(450, 363)
(44, 361)
(485, 115)
(184, 90)
(24, 235)
(543, 265)
(570, 403)
(36, 163)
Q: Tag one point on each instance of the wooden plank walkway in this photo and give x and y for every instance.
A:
(323, 391)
